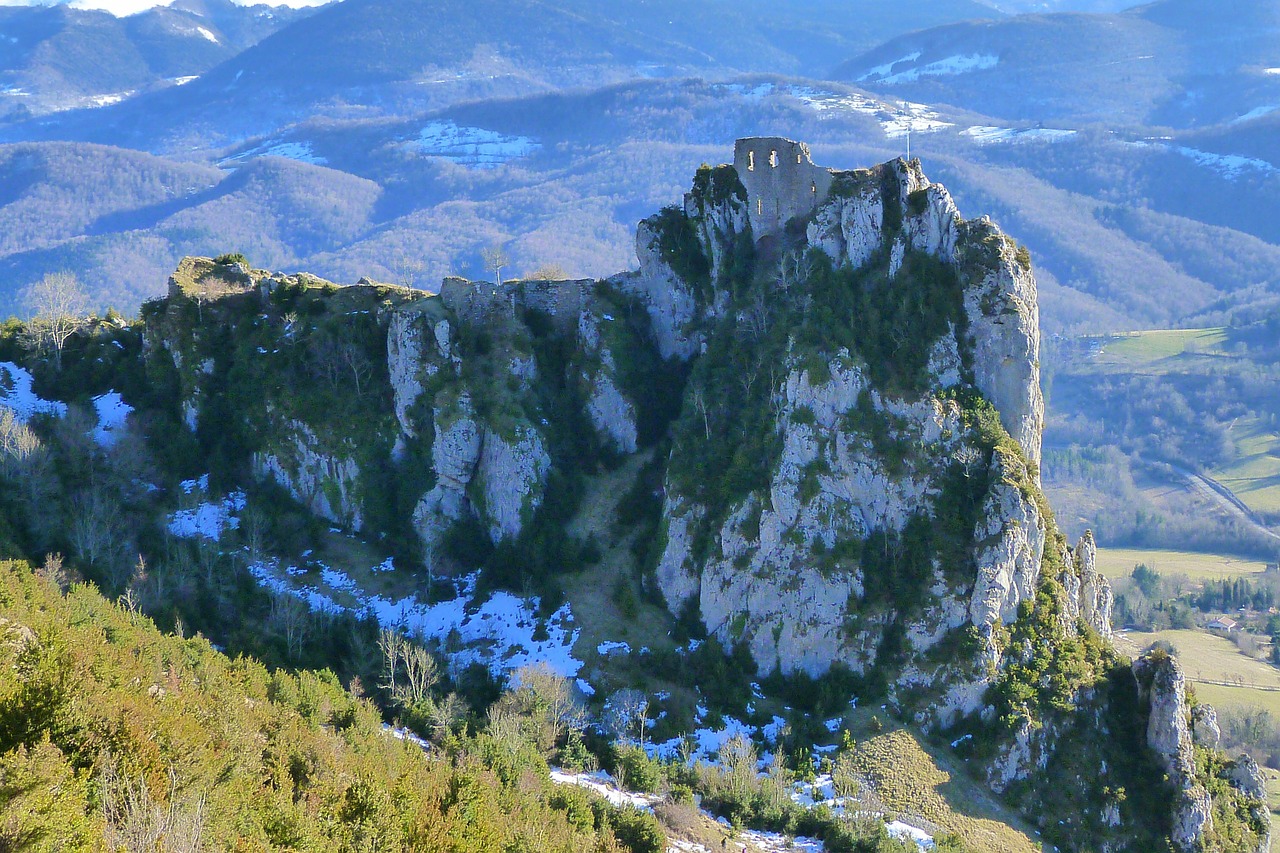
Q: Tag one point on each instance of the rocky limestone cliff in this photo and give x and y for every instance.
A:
(1170, 736)
(855, 460)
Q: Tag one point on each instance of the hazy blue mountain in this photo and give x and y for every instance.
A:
(57, 58)
(1181, 63)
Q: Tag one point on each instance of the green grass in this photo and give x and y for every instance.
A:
(1119, 562)
(1254, 474)
(1160, 350)
(910, 777)
(1205, 656)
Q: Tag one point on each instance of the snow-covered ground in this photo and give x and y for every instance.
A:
(984, 135)
(112, 411)
(16, 394)
(1230, 166)
(951, 65)
(207, 519)
(474, 147)
(498, 632)
(300, 151)
(1256, 112)
(896, 118)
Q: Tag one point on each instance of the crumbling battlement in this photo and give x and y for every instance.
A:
(475, 301)
(781, 180)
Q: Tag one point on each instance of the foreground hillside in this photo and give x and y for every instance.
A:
(114, 733)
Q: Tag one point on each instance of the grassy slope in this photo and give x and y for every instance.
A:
(1120, 562)
(914, 778)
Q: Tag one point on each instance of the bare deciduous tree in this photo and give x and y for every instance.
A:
(211, 288)
(495, 258)
(58, 307)
(625, 711)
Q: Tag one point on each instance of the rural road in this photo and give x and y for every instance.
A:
(1225, 498)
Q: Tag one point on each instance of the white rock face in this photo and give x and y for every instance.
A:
(324, 483)
(1004, 322)
(849, 230)
(612, 414)
(1096, 600)
(671, 304)
(935, 231)
(1169, 736)
(455, 453)
(512, 473)
(405, 361)
(830, 487)
(1010, 536)
(718, 226)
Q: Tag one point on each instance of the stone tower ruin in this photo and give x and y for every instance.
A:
(781, 181)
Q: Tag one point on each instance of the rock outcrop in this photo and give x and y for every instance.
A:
(1169, 737)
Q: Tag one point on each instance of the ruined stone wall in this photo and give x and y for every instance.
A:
(476, 301)
(781, 180)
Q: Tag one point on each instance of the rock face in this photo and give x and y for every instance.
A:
(1169, 737)
(324, 483)
(670, 301)
(1004, 324)
(832, 484)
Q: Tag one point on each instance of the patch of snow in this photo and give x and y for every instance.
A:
(300, 151)
(984, 135)
(201, 31)
(955, 743)
(94, 101)
(585, 687)
(499, 632)
(603, 784)
(907, 832)
(189, 486)
(896, 119)
(773, 842)
(833, 725)
(1230, 166)
(952, 65)
(612, 647)
(708, 741)
(209, 519)
(1256, 112)
(474, 147)
(387, 565)
(400, 733)
(112, 411)
(182, 81)
(1275, 72)
(887, 69)
(16, 394)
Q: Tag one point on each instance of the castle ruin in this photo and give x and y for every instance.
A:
(782, 181)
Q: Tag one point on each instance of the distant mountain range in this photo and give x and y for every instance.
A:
(1176, 63)
(57, 58)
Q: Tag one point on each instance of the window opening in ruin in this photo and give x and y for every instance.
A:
(773, 159)
(798, 161)
(813, 188)
(751, 161)
(759, 207)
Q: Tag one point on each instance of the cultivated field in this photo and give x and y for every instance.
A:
(1206, 657)
(1119, 562)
